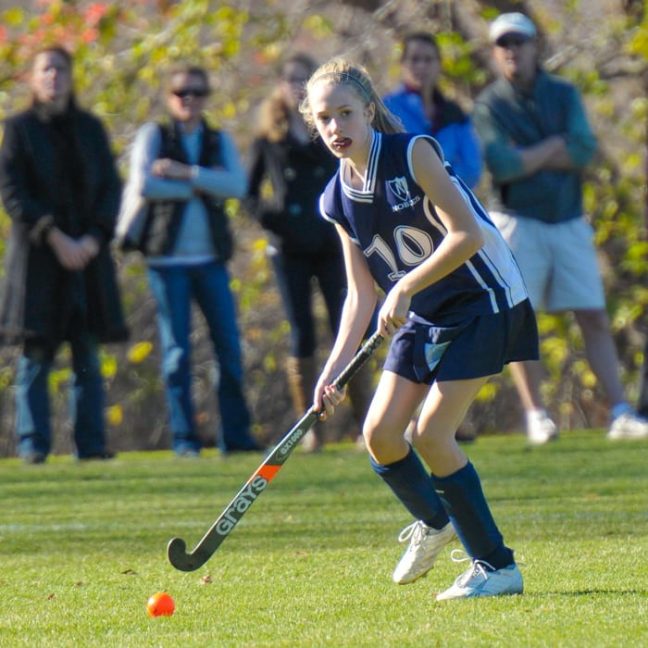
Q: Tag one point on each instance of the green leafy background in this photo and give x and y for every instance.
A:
(121, 54)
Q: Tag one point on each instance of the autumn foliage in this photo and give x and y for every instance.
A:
(121, 52)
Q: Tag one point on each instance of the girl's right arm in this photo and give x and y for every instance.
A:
(356, 314)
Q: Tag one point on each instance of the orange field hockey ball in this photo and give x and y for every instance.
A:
(160, 604)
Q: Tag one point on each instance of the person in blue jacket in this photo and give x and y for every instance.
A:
(422, 107)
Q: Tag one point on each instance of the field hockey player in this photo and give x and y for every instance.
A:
(455, 304)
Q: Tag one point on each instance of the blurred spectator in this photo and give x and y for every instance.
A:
(61, 190)
(303, 247)
(422, 108)
(185, 170)
(642, 405)
(537, 141)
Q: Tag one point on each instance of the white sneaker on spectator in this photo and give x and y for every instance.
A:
(628, 426)
(425, 543)
(540, 428)
(482, 580)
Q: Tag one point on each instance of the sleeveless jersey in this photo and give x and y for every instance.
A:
(397, 227)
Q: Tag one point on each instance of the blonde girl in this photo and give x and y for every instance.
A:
(455, 307)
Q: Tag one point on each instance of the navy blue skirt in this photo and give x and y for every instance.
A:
(425, 353)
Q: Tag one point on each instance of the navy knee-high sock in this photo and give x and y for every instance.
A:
(413, 486)
(463, 498)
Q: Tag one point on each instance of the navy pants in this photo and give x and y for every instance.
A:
(295, 276)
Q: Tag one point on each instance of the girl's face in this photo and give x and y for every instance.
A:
(293, 83)
(342, 119)
(187, 97)
(51, 79)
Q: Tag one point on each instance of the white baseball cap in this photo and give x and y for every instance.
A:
(512, 23)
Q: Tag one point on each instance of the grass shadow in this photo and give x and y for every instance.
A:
(593, 592)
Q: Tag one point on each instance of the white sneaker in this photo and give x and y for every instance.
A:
(425, 544)
(628, 426)
(540, 429)
(482, 580)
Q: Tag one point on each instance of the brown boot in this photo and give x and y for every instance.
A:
(301, 382)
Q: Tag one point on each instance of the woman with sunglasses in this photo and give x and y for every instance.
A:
(186, 169)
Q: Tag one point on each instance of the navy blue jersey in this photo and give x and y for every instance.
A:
(397, 227)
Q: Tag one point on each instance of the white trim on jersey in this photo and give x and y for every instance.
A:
(494, 254)
(410, 148)
(473, 271)
(326, 217)
(365, 194)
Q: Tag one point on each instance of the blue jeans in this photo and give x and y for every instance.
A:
(33, 426)
(173, 288)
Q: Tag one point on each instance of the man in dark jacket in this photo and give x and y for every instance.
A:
(60, 187)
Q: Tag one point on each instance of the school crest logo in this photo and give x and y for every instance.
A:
(398, 187)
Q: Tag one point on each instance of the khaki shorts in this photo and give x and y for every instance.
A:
(558, 262)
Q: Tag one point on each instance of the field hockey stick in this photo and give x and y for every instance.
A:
(262, 476)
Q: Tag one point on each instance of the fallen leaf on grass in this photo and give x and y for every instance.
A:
(206, 580)
(129, 572)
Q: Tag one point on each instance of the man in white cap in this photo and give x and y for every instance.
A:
(537, 141)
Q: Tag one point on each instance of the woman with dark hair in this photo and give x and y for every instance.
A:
(423, 109)
(60, 187)
(303, 248)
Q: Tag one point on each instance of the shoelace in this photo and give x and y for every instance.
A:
(414, 532)
(479, 567)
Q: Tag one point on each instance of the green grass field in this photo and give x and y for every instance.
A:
(83, 546)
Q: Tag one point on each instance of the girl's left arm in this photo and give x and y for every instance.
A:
(463, 238)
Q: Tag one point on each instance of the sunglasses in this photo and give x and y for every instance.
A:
(511, 41)
(183, 93)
